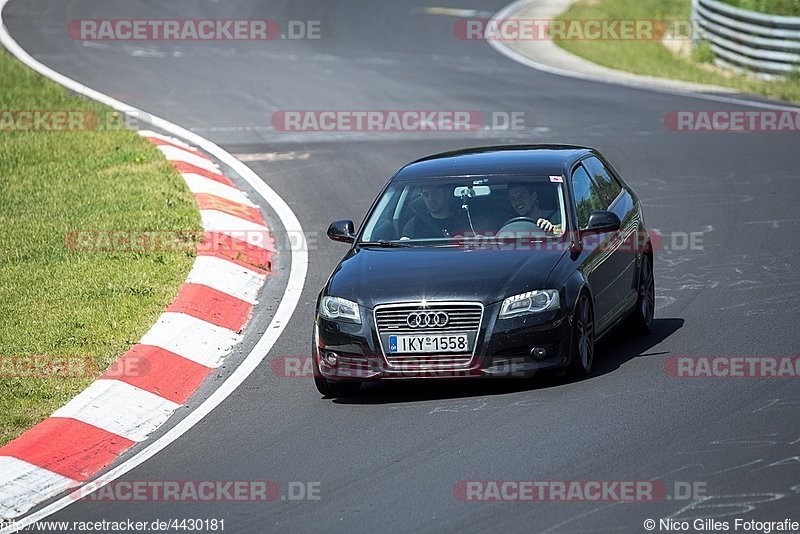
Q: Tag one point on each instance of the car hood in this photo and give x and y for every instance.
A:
(377, 276)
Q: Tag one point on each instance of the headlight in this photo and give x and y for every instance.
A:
(530, 302)
(339, 309)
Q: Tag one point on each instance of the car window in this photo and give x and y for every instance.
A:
(429, 210)
(587, 198)
(607, 185)
(382, 226)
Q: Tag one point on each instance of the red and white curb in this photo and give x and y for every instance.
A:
(145, 386)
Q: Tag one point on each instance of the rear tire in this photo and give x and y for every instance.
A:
(582, 350)
(642, 318)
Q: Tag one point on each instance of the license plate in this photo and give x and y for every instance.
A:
(429, 344)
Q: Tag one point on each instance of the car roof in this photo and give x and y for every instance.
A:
(496, 160)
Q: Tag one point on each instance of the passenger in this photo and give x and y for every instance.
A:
(440, 217)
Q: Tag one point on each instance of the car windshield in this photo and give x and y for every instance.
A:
(435, 211)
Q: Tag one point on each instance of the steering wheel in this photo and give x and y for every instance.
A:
(521, 219)
(521, 223)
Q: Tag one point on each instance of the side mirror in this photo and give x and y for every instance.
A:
(601, 222)
(343, 231)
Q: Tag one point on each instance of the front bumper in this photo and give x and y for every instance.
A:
(503, 349)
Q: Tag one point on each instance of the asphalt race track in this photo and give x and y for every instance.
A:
(389, 459)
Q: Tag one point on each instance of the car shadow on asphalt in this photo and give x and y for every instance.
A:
(611, 353)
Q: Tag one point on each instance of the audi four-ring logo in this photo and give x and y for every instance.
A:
(427, 319)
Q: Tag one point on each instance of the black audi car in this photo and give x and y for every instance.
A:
(486, 262)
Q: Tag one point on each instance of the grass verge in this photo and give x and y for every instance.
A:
(58, 305)
(652, 58)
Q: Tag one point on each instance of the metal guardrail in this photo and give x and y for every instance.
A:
(765, 44)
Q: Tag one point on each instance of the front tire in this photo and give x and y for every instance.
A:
(336, 389)
(582, 357)
(642, 318)
(329, 388)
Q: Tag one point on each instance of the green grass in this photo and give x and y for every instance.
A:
(773, 7)
(56, 302)
(653, 58)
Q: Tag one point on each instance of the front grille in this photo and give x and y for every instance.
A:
(462, 318)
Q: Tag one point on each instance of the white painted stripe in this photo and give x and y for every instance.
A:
(192, 338)
(26, 484)
(119, 408)
(200, 184)
(228, 277)
(178, 154)
(173, 140)
(291, 295)
(236, 227)
(456, 12)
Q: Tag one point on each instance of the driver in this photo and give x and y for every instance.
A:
(439, 218)
(525, 204)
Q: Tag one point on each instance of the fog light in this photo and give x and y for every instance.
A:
(538, 353)
(332, 359)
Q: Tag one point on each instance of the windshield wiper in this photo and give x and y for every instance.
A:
(383, 244)
(448, 244)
